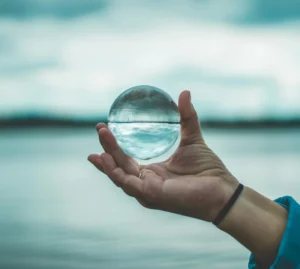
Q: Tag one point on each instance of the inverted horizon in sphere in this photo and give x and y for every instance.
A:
(145, 121)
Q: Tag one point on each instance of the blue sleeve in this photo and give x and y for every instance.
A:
(288, 256)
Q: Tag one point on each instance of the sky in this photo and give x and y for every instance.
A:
(72, 58)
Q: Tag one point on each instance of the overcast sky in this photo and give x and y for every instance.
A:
(239, 58)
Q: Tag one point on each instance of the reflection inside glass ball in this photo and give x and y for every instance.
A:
(145, 122)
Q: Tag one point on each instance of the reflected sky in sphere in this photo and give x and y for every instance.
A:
(145, 121)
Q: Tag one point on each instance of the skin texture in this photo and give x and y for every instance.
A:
(192, 182)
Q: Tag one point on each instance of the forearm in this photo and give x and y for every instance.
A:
(258, 223)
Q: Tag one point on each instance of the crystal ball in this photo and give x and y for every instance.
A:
(145, 121)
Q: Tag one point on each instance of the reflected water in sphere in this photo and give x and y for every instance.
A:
(145, 121)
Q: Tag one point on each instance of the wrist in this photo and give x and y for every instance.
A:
(256, 222)
(228, 205)
(226, 189)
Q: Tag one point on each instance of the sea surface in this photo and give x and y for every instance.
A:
(57, 211)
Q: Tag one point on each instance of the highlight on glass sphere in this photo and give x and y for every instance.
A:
(145, 121)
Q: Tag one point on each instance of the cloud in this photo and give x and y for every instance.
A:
(78, 67)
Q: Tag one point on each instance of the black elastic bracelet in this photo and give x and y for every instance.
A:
(229, 204)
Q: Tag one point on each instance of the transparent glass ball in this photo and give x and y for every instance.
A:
(145, 121)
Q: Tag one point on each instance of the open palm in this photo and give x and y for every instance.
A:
(192, 182)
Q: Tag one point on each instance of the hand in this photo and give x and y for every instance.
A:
(192, 182)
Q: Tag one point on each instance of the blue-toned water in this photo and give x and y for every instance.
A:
(145, 140)
(57, 211)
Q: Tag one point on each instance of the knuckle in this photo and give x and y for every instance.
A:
(116, 176)
(126, 188)
(129, 189)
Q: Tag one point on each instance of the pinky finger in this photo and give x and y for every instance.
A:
(130, 184)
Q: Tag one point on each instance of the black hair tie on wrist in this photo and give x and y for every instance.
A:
(229, 204)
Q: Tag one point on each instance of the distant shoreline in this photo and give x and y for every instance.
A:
(36, 122)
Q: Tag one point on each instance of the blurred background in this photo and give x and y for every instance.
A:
(63, 63)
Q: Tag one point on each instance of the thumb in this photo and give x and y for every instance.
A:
(190, 125)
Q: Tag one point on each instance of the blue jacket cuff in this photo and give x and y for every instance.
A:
(288, 256)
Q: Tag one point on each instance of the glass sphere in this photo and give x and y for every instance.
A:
(145, 121)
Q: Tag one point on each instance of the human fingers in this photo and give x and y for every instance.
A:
(100, 125)
(190, 125)
(95, 159)
(131, 184)
(110, 145)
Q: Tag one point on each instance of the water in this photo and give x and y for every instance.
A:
(145, 140)
(57, 211)
(145, 121)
